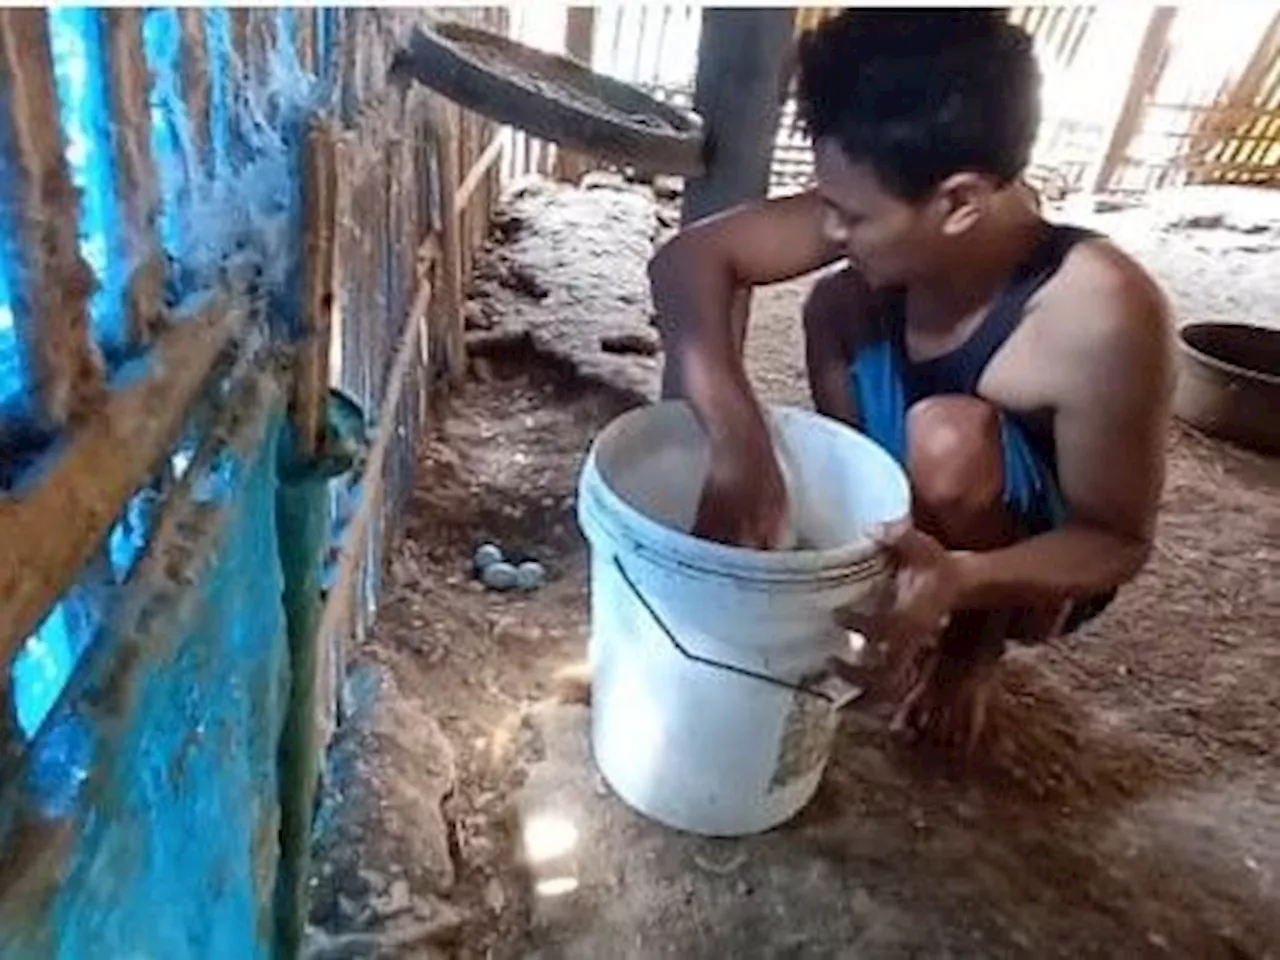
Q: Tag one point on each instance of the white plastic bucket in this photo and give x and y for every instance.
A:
(712, 707)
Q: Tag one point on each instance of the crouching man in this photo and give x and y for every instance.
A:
(1019, 370)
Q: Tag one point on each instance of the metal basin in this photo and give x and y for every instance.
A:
(1229, 382)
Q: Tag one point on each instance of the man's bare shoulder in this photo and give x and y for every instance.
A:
(1103, 306)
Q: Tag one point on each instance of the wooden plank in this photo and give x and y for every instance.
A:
(137, 183)
(319, 199)
(39, 216)
(84, 486)
(1155, 41)
(741, 56)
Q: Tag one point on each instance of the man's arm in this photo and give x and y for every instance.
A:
(697, 274)
(1114, 370)
(695, 278)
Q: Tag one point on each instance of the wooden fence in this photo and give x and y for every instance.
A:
(396, 204)
(415, 186)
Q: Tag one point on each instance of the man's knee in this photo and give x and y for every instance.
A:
(955, 456)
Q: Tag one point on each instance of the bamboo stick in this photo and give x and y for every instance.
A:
(195, 79)
(138, 185)
(478, 172)
(38, 218)
(86, 485)
(319, 198)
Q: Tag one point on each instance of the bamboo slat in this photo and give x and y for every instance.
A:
(319, 193)
(478, 172)
(138, 185)
(39, 209)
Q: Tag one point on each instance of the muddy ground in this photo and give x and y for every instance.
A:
(1133, 808)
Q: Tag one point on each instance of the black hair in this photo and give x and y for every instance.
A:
(921, 94)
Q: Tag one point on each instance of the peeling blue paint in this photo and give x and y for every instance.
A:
(222, 68)
(41, 668)
(170, 131)
(11, 384)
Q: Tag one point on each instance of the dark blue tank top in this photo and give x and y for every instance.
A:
(960, 371)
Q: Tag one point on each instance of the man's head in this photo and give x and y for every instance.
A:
(920, 120)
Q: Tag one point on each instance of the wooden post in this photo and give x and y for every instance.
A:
(1150, 53)
(449, 329)
(579, 43)
(319, 199)
(347, 63)
(50, 283)
(138, 186)
(741, 56)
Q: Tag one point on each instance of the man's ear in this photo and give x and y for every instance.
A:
(963, 200)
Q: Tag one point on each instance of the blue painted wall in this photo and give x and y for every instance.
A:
(145, 824)
(212, 205)
(154, 782)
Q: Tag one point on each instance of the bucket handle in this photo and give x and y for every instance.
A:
(836, 699)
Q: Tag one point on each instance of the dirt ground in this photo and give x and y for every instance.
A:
(1133, 808)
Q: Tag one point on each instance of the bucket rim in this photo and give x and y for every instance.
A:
(861, 559)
